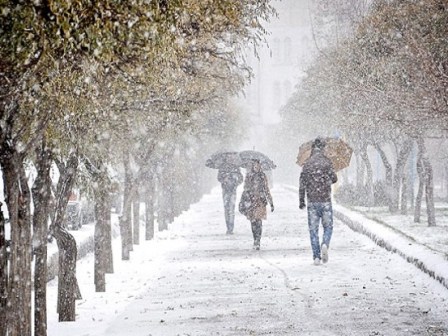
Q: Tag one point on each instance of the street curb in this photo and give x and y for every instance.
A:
(420, 264)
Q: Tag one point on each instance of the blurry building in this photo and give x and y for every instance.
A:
(279, 66)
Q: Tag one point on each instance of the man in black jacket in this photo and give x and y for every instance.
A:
(315, 181)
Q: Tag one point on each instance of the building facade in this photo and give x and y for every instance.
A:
(280, 63)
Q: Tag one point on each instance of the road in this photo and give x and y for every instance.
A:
(215, 284)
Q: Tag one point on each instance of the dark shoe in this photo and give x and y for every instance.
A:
(229, 232)
(256, 245)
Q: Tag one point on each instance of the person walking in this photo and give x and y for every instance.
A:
(316, 179)
(229, 177)
(256, 196)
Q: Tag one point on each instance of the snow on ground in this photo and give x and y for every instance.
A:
(434, 238)
(422, 255)
(195, 280)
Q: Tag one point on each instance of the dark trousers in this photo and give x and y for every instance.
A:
(229, 199)
(256, 230)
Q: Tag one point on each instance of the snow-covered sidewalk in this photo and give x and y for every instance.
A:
(195, 280)
(420, 245)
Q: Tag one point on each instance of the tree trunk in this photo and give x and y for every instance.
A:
(41, 197)
(369, 182)
(21, 248)
(103, 228)
(3, 275)
(360, 168)
(108, 234)
(99, 242)
(125, 219)
(136, 218)
(389, 175)
(124, 230)
(429, 194)
(171, 206)
(401, 162)
(162, 203)
(446, 180)
(411, 193)
(103, 240)
(68, 289)
(11, 310)
(404, 195)
(17, 195)
(429, 182)
(149, 208)
(421, 186)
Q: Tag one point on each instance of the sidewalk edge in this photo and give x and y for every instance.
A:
(437, 273)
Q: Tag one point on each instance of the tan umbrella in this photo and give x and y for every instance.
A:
(338, 151)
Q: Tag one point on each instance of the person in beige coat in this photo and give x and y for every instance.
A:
(256, 196)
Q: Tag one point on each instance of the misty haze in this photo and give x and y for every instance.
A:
(224, 167)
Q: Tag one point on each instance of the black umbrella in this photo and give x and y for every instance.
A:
(248, 156)
(224, 160)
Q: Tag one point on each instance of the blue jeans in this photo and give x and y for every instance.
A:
(229, 199)
(317, 212)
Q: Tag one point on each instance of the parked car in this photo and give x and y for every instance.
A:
(73, 215)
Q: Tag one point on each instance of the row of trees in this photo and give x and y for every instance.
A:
(141, 87)
(383, 85)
